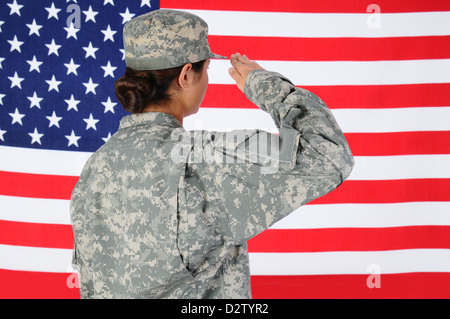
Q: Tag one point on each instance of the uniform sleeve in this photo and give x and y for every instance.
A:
(262, 177)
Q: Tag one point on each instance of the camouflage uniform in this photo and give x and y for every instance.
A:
(149, 226)
(161, 212)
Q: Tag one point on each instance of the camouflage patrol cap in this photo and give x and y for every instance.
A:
(163, 39)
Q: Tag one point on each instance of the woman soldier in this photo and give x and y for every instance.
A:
(151, 222)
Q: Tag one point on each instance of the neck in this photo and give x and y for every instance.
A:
(169, 109)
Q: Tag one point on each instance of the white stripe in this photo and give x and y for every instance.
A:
(397, 261)
(37, 161)
(346, 72)
(409, 119)
(400, 167)
(35, 259)
(51, 211)
(367, 215)
(318, 25)
(350, 120)
(225, 119)
(389, 262)
(35, 210)
(366, 168)
(16, 159)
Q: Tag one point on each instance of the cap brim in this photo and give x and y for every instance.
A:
(217, 56)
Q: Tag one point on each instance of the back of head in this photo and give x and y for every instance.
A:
(137, 90)
(157, 45)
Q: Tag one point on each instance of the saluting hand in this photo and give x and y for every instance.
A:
(241, 67)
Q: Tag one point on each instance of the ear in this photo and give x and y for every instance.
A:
(185, 78)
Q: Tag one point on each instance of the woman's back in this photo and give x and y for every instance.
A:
(160, 212)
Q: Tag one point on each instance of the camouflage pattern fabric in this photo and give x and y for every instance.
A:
(161, 212)
(164, 38)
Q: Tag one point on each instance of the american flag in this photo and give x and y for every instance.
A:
(383, 68)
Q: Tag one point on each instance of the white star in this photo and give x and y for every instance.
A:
(71, 0)
(15, 8)
(1, 23)
(72, 67)
(2, 132)
(109, 70)
(34, 28)
(17, 117)
(54, 120)
(53, 48)
(73, 139)
(53, 84)
(1, 60)
(90, 15)
(1, 98)
(91, 122)
(105, 139)
(53, 12)
(35, 100)
(90, 50)
(34, 64)
(109, 105)
(109, 34)
(15, 80)
(15, 44)
(108, 1)
(127, 16)
(72, 103)
(35, 136)
(90, 86)
(145, 3)
(123, 53)
(71, 31)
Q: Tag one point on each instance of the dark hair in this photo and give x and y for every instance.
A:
(136, 90)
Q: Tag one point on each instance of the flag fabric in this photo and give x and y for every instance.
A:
(58, 64)
(383, 68)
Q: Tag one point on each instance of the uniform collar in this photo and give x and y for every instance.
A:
(149, 118)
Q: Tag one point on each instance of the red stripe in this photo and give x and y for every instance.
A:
(399, 143)
(348, 6)
(390, 191)
(409, 285)
(36, 285)
(384, 96)
(271, 240)
(333, 49)
(346, 96)
(36, 185)
(36, 234)
(350, 239)
(41, 285)
(226, 96)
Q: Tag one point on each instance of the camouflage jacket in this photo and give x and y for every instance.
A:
(161, 212)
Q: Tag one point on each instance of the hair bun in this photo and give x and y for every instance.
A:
(135, 92)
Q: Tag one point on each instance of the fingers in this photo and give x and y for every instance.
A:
(241, 67)
(234, 70)
(234, 74)
(237, 60)
(236, 65)
(241, 58)
(234, 61)
(244, 59)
